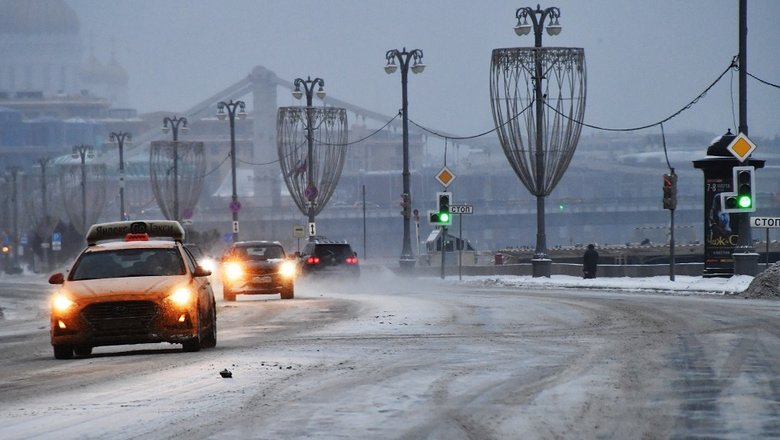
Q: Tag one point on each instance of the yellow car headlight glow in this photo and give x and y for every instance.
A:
(288, 269)
(182, 296)
(61, 303)
(233, 271)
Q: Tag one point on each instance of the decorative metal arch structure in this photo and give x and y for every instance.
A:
(94, 190)
(512, 90)
(538, 100)
(42, 201)
(42, 204)
(177, 170)
(327, 127)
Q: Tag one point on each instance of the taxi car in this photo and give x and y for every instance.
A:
(134, 283)
(257, 267)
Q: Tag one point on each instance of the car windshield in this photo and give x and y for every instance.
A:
(340, 251)
(120, 263)
(260, 252)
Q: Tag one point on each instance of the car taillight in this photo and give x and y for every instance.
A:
(313, 260)
(352, 260)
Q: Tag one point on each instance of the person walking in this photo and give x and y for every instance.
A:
(590, 262)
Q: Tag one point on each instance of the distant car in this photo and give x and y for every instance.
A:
(258, 267)
(134, 283)
(324, 256)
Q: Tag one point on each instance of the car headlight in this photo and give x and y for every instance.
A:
(61, 303)
(233, 271)
(182, 296)
(288, 269)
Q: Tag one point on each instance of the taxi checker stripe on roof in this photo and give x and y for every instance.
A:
(118, 230)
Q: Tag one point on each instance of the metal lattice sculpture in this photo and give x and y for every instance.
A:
(177, 170)
(43, 200)
(512, 89)
(83, 193)
(328, 125)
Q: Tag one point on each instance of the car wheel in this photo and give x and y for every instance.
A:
(193, 344)
(83, 350)
(288, 293)
(63, 351)
(210, 340)
(227, 295)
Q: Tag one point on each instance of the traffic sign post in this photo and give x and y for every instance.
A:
(299, 231)
(767, 223)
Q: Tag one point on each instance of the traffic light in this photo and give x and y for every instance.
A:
(406, 205)
(670, 191)
(6, 249)
(441, 216)
(742, 197)
(444, 198)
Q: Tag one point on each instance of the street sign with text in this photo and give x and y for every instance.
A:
(461, 209)
(765, 222)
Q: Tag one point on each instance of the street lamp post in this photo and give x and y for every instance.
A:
(308, 88)
(538, 17)
(407, 259)
(83, 151)
(174, 126)
(231, 107)
(120, 138)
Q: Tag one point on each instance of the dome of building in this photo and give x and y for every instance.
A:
(92, 70)
(37, 17)
(115, 74)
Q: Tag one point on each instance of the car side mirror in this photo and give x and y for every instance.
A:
(57, 278)
(200, 271)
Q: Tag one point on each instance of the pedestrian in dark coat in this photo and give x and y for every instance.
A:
(590, 262)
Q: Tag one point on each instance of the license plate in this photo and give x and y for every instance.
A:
(265, 279)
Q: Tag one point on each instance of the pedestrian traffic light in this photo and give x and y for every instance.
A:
(742, 197)
(670, 191)
(444, 198)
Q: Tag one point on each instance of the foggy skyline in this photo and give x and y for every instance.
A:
(645, 61)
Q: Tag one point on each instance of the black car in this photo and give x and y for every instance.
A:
(329, 257)
(257, 267)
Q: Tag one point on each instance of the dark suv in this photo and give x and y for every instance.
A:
(257, 267)
(329, 257)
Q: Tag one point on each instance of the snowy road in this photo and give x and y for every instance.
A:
(402, 359)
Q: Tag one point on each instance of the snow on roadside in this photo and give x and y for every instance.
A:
(684, 285)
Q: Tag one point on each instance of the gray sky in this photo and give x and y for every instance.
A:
(645, 60)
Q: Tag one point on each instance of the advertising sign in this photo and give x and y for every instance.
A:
(720, 228)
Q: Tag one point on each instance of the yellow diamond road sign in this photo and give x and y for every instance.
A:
(741, 147)
(445, 176)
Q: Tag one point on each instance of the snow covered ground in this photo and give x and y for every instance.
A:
(682, 285)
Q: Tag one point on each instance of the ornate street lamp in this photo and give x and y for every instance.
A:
(174, 126)
(83, 152)
(231, 114)
(311, 176)
(120, 138)
(308, 88)
(547, 86)
(403, 57)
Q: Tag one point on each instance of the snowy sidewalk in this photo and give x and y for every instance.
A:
(681, 284)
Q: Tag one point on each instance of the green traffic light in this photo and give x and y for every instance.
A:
(744, 202)
(444, 217)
